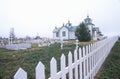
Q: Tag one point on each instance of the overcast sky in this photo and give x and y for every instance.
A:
(32, 17)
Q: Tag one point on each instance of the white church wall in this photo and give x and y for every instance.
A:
(91, 32)
(94, 35)
(55, 37)
(71, 35)
(63, 29)
(90, 28)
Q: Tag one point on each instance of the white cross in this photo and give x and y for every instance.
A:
(77, 43)
(61, 43)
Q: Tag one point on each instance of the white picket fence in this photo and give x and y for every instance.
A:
(87, 62)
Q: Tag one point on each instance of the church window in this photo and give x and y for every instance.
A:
(63, 33)
(57, 34)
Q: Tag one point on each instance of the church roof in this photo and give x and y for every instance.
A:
(94, 29)
(56, 29)
(88, 21)
(90, 24)
(68, 26)
(71, 28)
(88, 18)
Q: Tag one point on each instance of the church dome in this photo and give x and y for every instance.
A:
(88, 21)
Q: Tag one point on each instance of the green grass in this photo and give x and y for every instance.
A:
(10, 61)
(111, 67)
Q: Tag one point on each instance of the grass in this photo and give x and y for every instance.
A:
(10, 61)
(111, 67)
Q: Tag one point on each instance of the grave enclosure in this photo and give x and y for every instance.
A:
(87, 62)
(21, 46)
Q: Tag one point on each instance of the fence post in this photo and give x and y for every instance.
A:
(40, 71)
(20, 74)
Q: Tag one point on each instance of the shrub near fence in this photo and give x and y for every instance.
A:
(87, 62)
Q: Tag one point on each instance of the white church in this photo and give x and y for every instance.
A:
(67, 31)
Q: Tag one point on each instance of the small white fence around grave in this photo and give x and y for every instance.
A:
(87, 62)
(21, 46)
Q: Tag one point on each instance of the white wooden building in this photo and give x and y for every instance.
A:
(67, 31)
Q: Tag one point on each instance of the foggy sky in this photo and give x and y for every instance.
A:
(32, 17)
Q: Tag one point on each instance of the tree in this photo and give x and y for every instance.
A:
(82, 32)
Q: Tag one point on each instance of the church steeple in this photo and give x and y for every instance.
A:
(68, 24)
(68, 21)
(63, 24)
(88, 20)
(87, 15)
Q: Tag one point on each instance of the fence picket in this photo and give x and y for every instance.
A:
(20, 74)
(76, 65)
(40, 71)
(80, 66)
(53, 68)
(63, 65)
(84, 69)
(70, 65)
(87, 49)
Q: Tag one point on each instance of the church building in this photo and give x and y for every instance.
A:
(67, 31)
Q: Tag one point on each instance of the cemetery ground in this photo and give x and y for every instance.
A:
(10, 61)
(111, 67)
